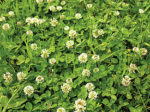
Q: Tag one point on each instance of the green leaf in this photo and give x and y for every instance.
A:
(83, 93)
(28, 106)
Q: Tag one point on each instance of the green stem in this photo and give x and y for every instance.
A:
(16, 91)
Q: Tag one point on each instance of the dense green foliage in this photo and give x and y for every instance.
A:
(124, 25)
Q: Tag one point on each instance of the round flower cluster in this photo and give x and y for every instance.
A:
(97, 33)
(61, 109)
(52, 8)
(89, 5)
(83, 58)
(21, 76)
(72, 34)
(69, 44)
(8, 77)
(92, 95)
(95, 70)
(34, 20)
(11, 13)
(62, 16)
(49, 1)
(141, 11)
(89, 86)
(39, 79)
(66, 88)
(132, 68)
(52, 61)
(116, 13)
(63, 3)
(143, 51)
(66, 28)
(39, 1)
(2, 18)
(126, 81)
(45, 53)
(29, 32)
(54, 22)
(6, 26)
(68, 80)
(34, 46)
(95, 58)
(86, 72)
(80, 105)
(59, 8)
(28, 90)
(78, 16)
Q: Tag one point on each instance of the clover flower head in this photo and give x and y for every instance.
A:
(8, 77)
(39, 79)
(83, 58)
(21, 76)
(66, 88)
(28, 90)
(89, 86)
(72, 34)
(92, 95)
(45, 53)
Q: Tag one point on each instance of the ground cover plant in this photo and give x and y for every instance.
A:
(74, 56)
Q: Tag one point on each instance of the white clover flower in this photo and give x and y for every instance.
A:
(97, 33)
(8, 77)
(29, 20)
(63, 3)
(68, 80)
(28, 90)
(135, 49)
(95, 58)
(29, 32)
(61, 109)
(6, 26)
(132, 68)
(80, 105)
(52, 8)
(116, 13)
(21, 76)
(34, 46)
(89, 5)
(11, 13)
(80, 109)
(59, 8)
(95, 70)
(83, 58)
(49, 1)
(92, 95)
(78, 16)
(19, 23)
(2, 18)
(69, 44)
(72, 34)
(45, 53)
(34, 20)
(54, 22)
(66, 28)
(40, 21)
(62, 16)
(66, 88)
(52, 61)
(39, 1)
(143, 51)
(86, 72)
(126, 81)
(141, 11)
(39, 79)
(89, 86)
